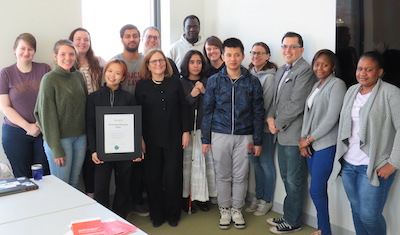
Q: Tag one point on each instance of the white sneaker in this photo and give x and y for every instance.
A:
(237, 218)
(226, 218)
(262, 208)
(253, 205)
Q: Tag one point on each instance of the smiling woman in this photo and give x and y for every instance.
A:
(60, 113)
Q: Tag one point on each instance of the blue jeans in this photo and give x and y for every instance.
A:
(75, 149)
(264, 169)
(320, 166)
(23, 150)
(367, 201)
(293, 169)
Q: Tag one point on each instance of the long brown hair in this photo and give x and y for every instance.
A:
(95, 69)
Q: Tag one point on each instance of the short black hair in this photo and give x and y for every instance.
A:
(332, 57)
(128, 27)
(375, 56)
(232, 42)
(293, 35)
(193, 17)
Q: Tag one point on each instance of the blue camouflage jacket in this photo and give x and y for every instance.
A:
(233, 107)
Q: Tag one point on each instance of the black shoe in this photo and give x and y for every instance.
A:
(173, 223)
(203, 206)
(185, 206)
(157, 224)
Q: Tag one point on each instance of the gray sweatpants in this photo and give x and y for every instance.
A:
(231, 164)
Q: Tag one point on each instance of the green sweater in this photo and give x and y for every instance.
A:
(60, 107)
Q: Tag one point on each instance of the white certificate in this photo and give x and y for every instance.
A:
(119, 133)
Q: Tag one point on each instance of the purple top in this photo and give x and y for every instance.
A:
(22, 89)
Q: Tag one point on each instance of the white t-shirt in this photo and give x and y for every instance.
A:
(310, 100)
(354, 154)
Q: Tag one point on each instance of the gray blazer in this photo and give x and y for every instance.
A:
(288, 104)
(322, 119)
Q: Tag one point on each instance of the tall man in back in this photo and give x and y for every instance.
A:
(130, 38)
(189, 40)
(293, 83)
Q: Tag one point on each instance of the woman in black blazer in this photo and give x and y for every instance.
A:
(165, 135)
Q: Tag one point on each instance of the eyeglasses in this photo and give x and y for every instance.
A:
(154, 62)
(258, 53)
(283, 46)
(152, 37)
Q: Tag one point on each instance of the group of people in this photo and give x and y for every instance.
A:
(205, 118)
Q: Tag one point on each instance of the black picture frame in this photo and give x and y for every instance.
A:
(101, 111)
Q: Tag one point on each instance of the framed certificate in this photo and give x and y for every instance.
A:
(118, 133)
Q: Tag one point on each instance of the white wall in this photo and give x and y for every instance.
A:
(47, 20)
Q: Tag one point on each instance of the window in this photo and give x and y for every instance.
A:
(104, 19)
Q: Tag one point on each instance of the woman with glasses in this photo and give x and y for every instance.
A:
(165, 135)
(368, 144)
(264, 166)
(213, 52)
(319, 131)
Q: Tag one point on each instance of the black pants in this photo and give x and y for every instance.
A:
(88, 173)
(122, 174)
(137, 186)
(163, 176)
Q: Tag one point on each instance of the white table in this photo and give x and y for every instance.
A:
(53, 195)
(49, 210)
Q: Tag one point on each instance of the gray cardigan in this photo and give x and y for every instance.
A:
(379, 128)
(321, 121)
(267, 80)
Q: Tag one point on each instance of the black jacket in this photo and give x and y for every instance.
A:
(194, 102)
(103, 97)
(164, 111)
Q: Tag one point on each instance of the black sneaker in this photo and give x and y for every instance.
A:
(284, 228)
(275, 221)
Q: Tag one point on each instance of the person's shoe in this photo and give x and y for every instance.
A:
(262, 208)
(318, 232)
(157, 224)
(173, 223)
(275, 221)
(203, 206)
(185, 206)
(238, 219)
(253, 205)
(140, 210)
(226, 218)
(284, 228)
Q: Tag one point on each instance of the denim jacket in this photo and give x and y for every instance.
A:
(234, 107)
